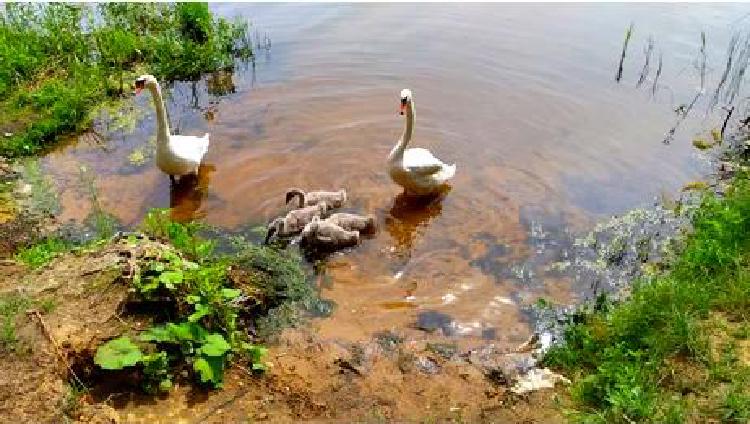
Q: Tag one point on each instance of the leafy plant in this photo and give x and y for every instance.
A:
(184, 237)
(206, 351)
(167, 272)
(216, 298)
(156, 372)
(117, 354)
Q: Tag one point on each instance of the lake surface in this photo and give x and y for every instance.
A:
(522, 98)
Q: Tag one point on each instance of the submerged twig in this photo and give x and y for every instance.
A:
(725, 74)
(628, 34)
(703, 60)
(684, 110)
(645, 69)
(738, 74)
(658, 74)
(730, 110)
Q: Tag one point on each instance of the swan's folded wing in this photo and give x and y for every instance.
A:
(421, 161)
(189, 147)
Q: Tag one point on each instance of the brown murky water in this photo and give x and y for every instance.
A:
(522, 98)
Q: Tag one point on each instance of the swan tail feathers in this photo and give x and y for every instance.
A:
(446, 173)
(204, 146)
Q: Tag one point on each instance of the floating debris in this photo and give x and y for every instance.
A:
(536, 379)
(702, 144)
(695, 185)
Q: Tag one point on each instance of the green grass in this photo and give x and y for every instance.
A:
(626, 358)
(42, 252)
(10, 307)
(58, 61)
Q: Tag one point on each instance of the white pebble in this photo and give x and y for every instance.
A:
(449, 298)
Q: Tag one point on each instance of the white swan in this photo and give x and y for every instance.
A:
(176, 155)
(416, 170)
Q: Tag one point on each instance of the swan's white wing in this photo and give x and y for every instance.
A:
(421, 161)
(189, 147)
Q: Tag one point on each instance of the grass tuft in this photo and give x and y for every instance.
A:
(623, 356)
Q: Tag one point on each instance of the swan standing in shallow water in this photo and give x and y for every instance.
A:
(176, 155)
(417, 170)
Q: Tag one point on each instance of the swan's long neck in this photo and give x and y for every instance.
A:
(162, 124)
(408, 131)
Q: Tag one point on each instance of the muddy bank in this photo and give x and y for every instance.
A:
(54, 345)
(309, 378)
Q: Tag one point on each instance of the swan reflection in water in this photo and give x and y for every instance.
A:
(409, 214)
(187, 194)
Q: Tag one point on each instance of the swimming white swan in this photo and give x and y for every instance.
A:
(176, 155)
(416, 170)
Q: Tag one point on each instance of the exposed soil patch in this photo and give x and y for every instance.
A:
(325, 381)
(389, 378)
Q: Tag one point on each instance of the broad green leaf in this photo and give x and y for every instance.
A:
(158, 334)
(188, 331)
(256, 352)
(170, 278)
(117, 354)
(204, 370)
(210, 369)
(200, 312)
(148, 285)
(230, 293)
(215, 345)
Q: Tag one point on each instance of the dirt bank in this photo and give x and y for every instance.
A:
(71, 306)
